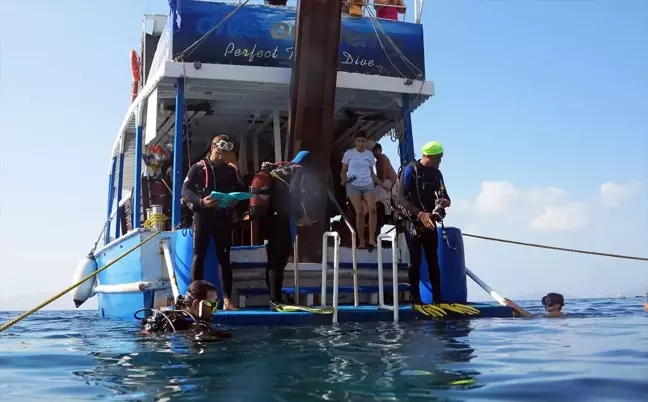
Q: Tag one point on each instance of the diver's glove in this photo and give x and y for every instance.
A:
(429, 310)
(459, 308)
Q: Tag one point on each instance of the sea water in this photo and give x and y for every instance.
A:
(601, 354)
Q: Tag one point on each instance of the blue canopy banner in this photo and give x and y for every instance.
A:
(259, 35)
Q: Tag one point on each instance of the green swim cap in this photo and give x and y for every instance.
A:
(432, 148)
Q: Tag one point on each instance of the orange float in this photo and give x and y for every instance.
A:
(135, 65)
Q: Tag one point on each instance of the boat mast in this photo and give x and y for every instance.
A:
(312, 101)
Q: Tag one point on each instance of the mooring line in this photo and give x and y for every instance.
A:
(571, 250)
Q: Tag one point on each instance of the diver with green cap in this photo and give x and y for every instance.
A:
(422, 199)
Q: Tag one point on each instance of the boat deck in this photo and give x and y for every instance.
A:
(362, 313)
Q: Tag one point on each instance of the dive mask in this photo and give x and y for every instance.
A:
(553, 299)
(207, 307)
(224, 145)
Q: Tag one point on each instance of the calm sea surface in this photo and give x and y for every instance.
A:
(600, 355)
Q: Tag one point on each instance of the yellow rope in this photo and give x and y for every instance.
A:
(64, 291)
(167, 186)
(571, 250)
(155, 218)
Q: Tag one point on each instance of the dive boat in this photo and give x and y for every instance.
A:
(208, 68)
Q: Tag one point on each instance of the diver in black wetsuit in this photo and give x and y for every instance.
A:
(422, 199)
(213, 174)
(293, 197)
(191, 312)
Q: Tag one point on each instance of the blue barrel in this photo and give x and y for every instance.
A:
(454, 288)
(182, 252)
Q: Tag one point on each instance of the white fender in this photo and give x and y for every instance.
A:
(84, 291)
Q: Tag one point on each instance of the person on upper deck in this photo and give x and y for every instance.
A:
(552, 302)
(358, 176)
(209, 218)
(192, 311)
(354, 7)
(389, 13)
(422, 199)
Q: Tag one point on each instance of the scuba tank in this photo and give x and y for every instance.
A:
(262, 186)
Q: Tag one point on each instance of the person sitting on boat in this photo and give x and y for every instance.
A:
(422, 199)
(358, 176)
(209, 220)
(193, 311)
(552, 302)
(387, 176)
(390, 13)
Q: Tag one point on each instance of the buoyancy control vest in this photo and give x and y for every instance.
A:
(427, 191)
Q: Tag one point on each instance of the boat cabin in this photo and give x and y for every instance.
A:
(214, 68)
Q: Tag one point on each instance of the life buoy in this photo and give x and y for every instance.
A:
(135, 65)
(260, 187)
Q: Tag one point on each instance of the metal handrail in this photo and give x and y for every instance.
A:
(390, 237)
(336, 270)
(168, 259)
(296, 265)
(354, 253)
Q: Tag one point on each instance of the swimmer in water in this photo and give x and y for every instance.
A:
(552, 302)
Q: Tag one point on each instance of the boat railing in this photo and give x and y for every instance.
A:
(373, 3)
(354, 249)
(336, 270)
(390, 237)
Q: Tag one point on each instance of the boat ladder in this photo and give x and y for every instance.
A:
(390, 237)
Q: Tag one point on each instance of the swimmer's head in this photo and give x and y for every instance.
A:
(202, 300)
(553, 302)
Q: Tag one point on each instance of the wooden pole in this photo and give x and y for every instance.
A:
(313, 85)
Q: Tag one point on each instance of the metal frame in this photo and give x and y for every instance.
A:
(132, 287)
(178, 152)
(276, 127)
(111, 195)
(120, 184)
(406, 143)
(336, 270)
(168, 259)
(354, 250)
(136, 197)
(390, 237)
(296, 265)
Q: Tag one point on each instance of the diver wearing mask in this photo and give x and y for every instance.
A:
(209, 218)
(191, 312)
(552, 302)
(422, 199)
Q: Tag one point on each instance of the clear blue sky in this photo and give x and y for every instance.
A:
(539, 103)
